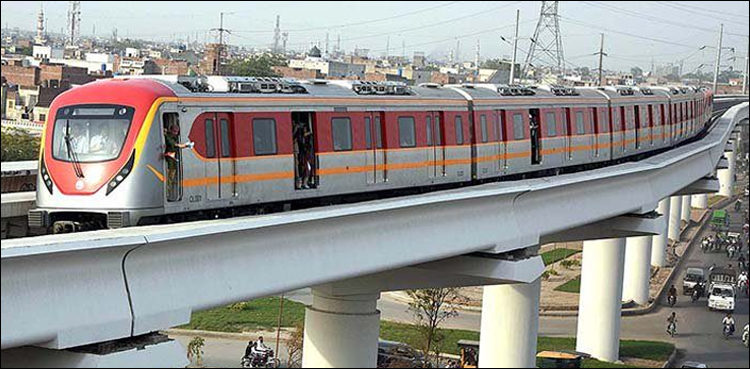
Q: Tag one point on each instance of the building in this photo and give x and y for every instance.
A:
(135, 66)
(297, 73)
(213, 62)
(168, 66)
(329, 68)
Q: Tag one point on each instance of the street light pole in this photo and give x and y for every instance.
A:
(747, 65)
(718, 60)
(515, 46)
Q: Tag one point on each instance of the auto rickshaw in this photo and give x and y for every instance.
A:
(560, 359)
(719, 220)
(469, 353)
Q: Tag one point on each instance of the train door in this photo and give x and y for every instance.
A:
(173, 165)
(568, 132)
(435, 148)
(638, 123)
(651, 124)
(212, 162)
(536, 142)
(225, 146)
(305, 163)
(375, 157)
(594, 119)
(502, 148)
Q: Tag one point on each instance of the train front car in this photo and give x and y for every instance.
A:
(101, 158)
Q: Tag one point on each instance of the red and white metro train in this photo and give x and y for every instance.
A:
(102, 161)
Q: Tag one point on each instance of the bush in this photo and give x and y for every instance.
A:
(18, 145)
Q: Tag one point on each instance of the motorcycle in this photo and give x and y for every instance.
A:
(696, 294)
(745, 334)
(671, 300)
(727, 331)
(260, 359)
(672, 329)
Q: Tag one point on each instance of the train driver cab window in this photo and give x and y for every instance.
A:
(173, 155)
(342, 134)
(406, 132)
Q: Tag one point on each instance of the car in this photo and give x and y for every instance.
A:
(693, 364)
(693, 276)
(393, 354)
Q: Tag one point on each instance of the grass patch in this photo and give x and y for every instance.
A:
(408, 334)
(246, 316)
(712, 200)
(572, 286)
(556, 255)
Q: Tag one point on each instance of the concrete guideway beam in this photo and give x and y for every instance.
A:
(702, 186)
(341, 331)
(659, 241)
(629, 225)
(166, 354)
(151, 273)
(600, 304)
(509, 325)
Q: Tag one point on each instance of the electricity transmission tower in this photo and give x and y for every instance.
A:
(546, 45)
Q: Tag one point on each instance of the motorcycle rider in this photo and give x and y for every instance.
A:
(672, 323)
(672, 295)
(728, 321)
(742, 282)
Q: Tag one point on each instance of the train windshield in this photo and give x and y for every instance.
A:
(90, 133)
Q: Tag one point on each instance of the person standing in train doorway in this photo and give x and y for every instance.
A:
(172, 141)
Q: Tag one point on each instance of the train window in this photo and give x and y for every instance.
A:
(341, 128)
(210, 139)
(580, 129)
(225, 144)
(483, 124)
(368, 132)
(644, 117)
(518, 132)
(459, 131)
(494, 128)
(551, 125)
(264, 136)
(406, 132)
(438, 138)
(500, 133)
(428, 127)
(378, 134)
(603, 121)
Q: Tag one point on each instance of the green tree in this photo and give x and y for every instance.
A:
(431, 308)
(495, 64)
(256, 65)
(18, 144)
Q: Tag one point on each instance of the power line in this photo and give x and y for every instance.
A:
(709, 10)
(432, 24)
(635, 14)
(343, 25)
(693, 12)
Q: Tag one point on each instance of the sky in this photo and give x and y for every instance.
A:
(635, 33)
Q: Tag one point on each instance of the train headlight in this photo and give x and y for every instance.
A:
(45, 175)
(122, 174)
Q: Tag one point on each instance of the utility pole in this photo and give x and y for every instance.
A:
(718, 59)
(601, 56)
(515, 47)
(219, 53)
(747, 65)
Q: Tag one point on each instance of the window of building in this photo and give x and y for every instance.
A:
(459, 130)
(551, 125)
(264, 136)
(518, 132)
(341, 129)
(406, 132)
(483, 124)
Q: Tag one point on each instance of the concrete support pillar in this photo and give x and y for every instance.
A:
(726, 176)
(341, 331)
(675, 214)
(637, 273)
(659, 246)
(600, 304)
(686, 207)
(700, 201)
(510, 322)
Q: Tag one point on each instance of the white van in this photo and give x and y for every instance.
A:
(721, 297)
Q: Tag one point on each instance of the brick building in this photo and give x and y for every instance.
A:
(297, 73)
